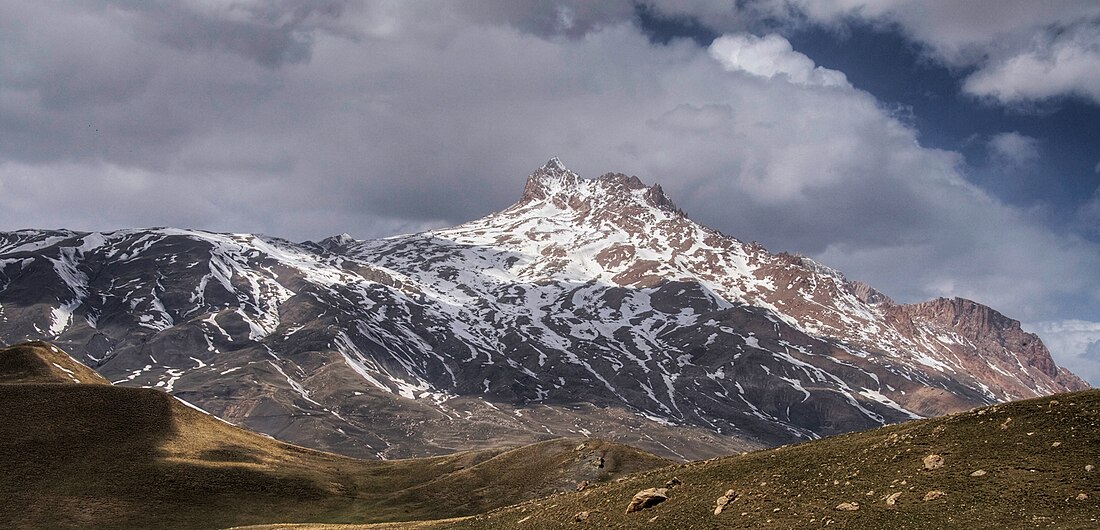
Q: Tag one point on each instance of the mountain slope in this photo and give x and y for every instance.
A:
(590, 307)
(1025, 464)
(95, 455)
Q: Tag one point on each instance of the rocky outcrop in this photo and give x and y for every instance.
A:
(868, 294)
(725, 500)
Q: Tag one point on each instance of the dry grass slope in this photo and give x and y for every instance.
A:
(1027, 464)
(1032, 457)
(42, 362)
(101, 456)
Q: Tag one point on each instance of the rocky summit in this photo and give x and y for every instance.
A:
(587, 308)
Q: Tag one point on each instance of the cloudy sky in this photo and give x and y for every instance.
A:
(928, 148)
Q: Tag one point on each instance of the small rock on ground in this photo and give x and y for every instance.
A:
(848, 506)
(978, 473)
(933, 495)
(892, 498)
(933, 461)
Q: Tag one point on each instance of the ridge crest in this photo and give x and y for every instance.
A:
(555, 180)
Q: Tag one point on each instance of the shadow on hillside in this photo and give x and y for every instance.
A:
(77, 455)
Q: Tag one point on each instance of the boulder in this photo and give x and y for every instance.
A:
(647, 498)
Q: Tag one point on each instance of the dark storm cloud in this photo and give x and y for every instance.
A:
(573, 18)
(82, 83)
(269, 33)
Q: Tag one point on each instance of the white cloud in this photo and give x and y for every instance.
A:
(771, 56)
(1075, 344)
(1063, 64)
(1013, 148)
(1022, 50)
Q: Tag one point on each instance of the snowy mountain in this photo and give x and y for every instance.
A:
(589, 307)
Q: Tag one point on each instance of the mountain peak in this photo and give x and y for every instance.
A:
(549, 180)
(335, 243)
(554, 164)
(554, 181)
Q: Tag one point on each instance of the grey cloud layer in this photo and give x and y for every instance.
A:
(304, 120)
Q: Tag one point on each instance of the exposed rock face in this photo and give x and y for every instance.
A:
(993, 346)
(590, 307)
